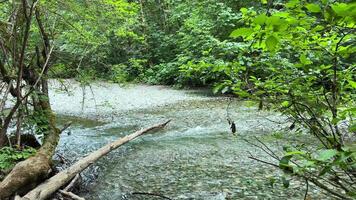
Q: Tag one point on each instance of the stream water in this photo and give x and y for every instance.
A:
(195, 157)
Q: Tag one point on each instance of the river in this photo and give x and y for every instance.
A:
(195, 157)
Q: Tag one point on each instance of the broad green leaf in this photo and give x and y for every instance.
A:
(314, 8)
(273, 20)
(243, 32)
(282, 14)
(271, 43)
(292, 3)
(341, 9)
(326, 154)
(260, 19)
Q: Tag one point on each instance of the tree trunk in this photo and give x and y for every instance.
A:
(50, 186)
(3, 138)
(33, 170)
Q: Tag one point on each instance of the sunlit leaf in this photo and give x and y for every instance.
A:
(314, 8)
(241, 32)
(260, 19)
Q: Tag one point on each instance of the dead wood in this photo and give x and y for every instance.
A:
(53, 184)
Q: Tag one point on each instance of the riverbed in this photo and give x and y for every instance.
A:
(195, 157)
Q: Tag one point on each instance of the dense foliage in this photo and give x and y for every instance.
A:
(304, 68)
(147, 41)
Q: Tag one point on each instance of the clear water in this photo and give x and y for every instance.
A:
(195, 157)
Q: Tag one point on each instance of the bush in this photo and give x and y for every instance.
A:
(10, 156)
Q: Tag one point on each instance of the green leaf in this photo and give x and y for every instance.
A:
(273, 20)
(271, 43)
(260, 19)
(243, 10)
(352, 127)
(304, 60)
(241, 32)
(284, 164)
(326, 154)
(314, 8)
(285, 104)
(292, 3)
(341, 9)
(217, 88)
(352, 83)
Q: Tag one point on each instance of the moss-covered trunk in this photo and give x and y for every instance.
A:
(26, 174)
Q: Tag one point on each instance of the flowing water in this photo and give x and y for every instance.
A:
(194, 157)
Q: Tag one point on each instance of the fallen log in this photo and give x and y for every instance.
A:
(54, 183)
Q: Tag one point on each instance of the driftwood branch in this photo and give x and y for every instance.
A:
(53, 184)
(71, 195)
(71, 184)
(66, 191)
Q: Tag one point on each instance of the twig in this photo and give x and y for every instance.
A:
(262, 161)
(71, 195)
(307, 189)
(71, 184)
(274, 155)
(259, 147)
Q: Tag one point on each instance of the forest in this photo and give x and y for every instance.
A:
(177, 99)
